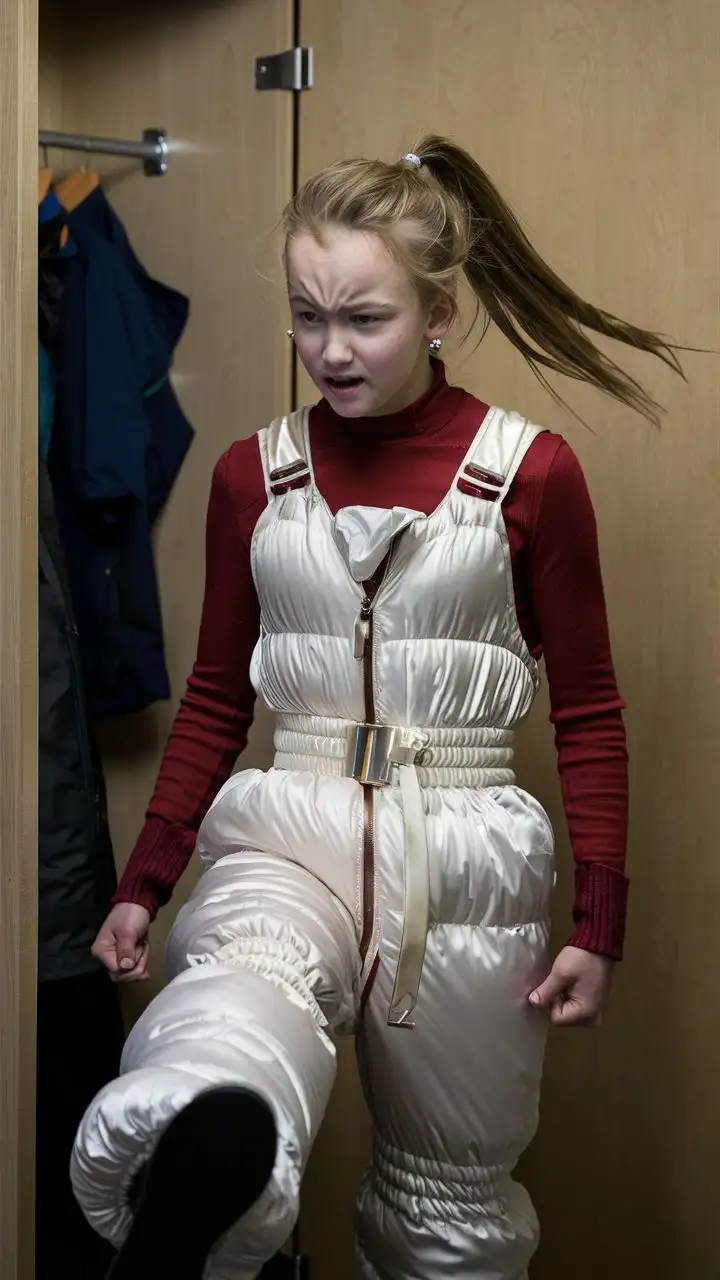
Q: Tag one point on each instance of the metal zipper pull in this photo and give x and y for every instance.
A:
(362, 628)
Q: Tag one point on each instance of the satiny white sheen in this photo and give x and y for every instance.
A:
(264, 960)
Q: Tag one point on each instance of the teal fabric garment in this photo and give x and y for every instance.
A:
(46, 401)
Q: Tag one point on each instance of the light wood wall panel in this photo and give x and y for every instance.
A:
(601, 124)
(18, 648)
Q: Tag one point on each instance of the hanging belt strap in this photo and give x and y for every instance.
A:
(374, 753)
(416, 914)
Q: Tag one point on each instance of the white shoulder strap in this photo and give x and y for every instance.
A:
(496, 453)
(285, 452)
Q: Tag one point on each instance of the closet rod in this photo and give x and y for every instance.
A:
(152, 149)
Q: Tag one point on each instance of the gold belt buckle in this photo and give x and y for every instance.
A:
(369, 754)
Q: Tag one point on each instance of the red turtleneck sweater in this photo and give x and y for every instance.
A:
(409, 459)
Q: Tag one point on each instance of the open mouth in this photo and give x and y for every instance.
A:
(340, 386)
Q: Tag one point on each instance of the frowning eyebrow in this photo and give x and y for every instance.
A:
(360, 304)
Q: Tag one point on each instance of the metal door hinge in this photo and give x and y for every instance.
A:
(294, 69)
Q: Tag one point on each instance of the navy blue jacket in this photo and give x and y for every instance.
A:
(119, 439)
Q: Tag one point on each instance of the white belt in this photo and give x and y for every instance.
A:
(411, 758)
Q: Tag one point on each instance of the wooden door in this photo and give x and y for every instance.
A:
(601, 124)
(18, 651)
(203, 228)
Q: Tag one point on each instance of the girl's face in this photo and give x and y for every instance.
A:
(361, 330)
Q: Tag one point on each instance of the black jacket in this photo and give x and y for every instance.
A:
(76, 871)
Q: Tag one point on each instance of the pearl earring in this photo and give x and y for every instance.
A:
(290, 333)
(435, 346)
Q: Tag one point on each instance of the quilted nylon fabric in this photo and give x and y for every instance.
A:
(264, 961)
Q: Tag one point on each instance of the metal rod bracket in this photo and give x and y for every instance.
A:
(152, 149)
(155, 166)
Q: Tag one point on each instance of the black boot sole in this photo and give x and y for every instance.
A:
(211, 1165)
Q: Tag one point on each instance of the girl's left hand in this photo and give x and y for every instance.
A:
(576, 991)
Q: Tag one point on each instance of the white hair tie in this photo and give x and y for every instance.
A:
(411, 158)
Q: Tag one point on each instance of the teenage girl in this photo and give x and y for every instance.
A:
(384, 571)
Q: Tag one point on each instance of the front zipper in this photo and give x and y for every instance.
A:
(368, 799)
(364, 646)
(364, 634)
(362, 630)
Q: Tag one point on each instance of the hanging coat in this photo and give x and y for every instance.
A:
(119, 440)
(76, 870)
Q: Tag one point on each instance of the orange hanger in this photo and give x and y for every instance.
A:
(77, 187)
(45, 177)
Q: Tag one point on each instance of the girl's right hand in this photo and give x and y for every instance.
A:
(123, 945)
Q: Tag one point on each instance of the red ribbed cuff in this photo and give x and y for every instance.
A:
(600, 910)
(155, 865)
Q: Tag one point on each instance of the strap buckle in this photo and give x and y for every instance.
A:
(375, 749)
